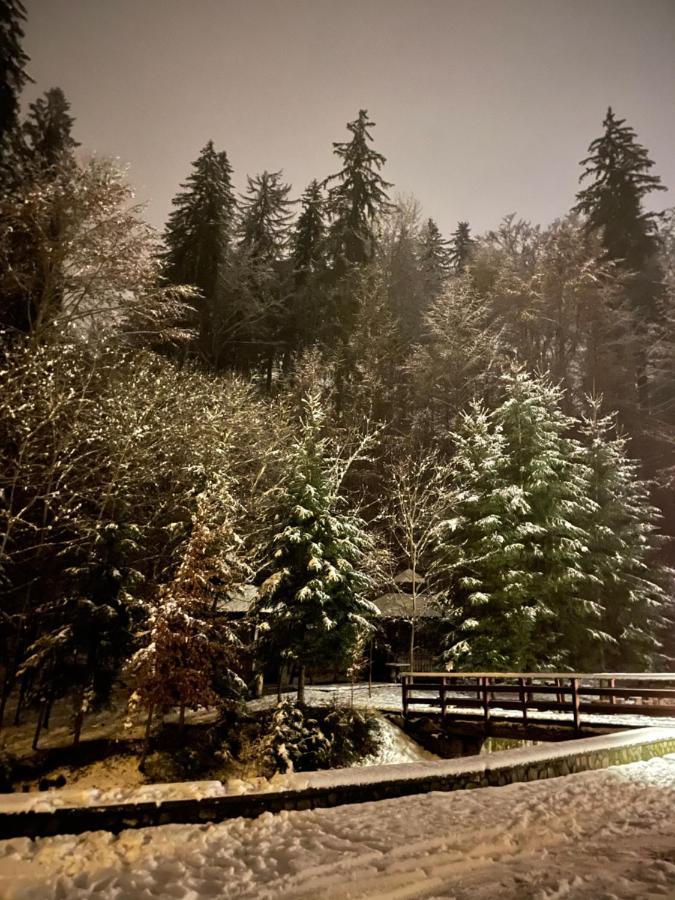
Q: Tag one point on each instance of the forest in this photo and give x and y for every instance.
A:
(307, 390)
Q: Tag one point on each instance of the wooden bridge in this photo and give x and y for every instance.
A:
(509, 695)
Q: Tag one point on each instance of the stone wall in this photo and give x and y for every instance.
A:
(71, 820)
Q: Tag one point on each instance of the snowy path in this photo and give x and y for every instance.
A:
(606, 834)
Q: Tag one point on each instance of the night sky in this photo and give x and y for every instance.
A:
(483, 107)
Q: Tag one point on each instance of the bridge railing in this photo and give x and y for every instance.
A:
(483, 693)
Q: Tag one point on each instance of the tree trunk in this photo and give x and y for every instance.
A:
(412, 625)
(181, 718)
(279, 683)
(146, 737)
(79, 717)
(48, 710)
(301, 685)
(20, 701)
(38, 726)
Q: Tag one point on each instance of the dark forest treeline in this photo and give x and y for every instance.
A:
(309, 393)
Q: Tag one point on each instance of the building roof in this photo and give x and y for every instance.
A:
(400, 606)
(238, 599)
(407, 577)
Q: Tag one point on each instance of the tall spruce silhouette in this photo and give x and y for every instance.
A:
(618, 171)
(13, 75)
(461, 245)
(199, 232)
(357, 194)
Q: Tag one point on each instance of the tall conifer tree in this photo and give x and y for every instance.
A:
(13, 75)
(434, 260)
(461, 245)
(48, 134)
(618, 170)
(198, 237)
(309, 269)
(357, 194)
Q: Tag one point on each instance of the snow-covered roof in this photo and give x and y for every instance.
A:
(400, 606)
(407, 576)
(238, 599)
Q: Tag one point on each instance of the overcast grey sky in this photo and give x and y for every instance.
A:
(483, 107)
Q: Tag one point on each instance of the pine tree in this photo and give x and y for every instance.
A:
(512, 554)
(312, 610)
(358, 195)
(625, 594)
(48, 132)
(198, 236)
(619, 170)
(461, 246)
(13, 75)
(434, 260)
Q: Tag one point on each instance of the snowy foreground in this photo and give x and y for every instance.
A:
(603, 834)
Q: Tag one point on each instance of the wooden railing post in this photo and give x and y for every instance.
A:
(523, 699)
(575, 702)
(443, 689)
(486, 702)
(404, 694)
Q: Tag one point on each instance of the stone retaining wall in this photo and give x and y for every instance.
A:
(490, 772)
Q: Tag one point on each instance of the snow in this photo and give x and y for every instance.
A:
(603, 835)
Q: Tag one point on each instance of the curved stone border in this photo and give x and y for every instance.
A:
(343, 786)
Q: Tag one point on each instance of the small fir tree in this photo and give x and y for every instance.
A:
(312, 608)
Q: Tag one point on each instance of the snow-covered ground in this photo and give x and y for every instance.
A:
(604, 835)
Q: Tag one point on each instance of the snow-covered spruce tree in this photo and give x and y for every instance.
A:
(312, 608)
(512, 554)
(626, 593)
(189, 651)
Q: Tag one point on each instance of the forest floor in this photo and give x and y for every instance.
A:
(602, 835)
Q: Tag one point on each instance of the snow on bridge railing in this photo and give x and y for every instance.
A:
(606, 693)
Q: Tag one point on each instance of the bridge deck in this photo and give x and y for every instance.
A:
(568, 695)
